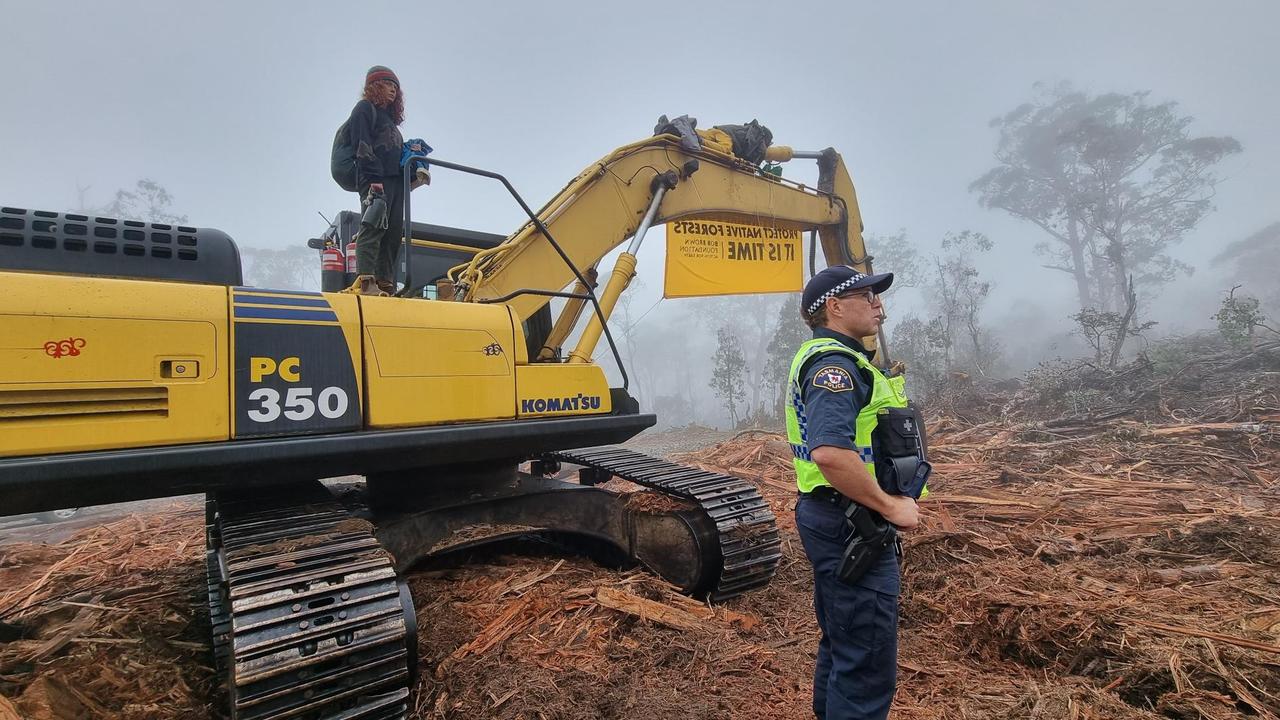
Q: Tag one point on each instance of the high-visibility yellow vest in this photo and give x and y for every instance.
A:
(885, 393)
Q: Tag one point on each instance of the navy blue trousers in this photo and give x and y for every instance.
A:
(857, 667)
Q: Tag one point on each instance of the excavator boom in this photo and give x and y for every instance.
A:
(606, 203)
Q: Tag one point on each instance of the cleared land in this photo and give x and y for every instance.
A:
(1121, 564)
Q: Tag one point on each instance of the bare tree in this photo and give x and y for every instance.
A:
(750, 319)
(896, 254)
(789, 333)
(290, 268)
(148, 200)
(727, 369)
(1106, 331)
(626, 321)
(958, 294)
(920, 344)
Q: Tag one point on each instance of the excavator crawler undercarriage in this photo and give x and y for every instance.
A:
(308, 616)
(309, 611)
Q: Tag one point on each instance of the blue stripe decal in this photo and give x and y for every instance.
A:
(295, 301)
(242, 289)
(285, 314)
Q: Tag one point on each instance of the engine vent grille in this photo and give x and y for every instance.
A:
(26, 406)
(44, 241)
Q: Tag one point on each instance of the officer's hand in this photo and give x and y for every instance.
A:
(375, 188)
(903, 513)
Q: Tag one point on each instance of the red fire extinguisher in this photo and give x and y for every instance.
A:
(332, 269)
(351, 263)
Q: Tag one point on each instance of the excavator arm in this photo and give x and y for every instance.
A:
(608, 202)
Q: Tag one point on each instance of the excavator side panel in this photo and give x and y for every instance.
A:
(559, 389)
(297, 360)
(429, 362)
(98, 363)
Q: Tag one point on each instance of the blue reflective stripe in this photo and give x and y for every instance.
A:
(866, 455)
(797, 404)
(292, 301)
(285, 314)
(801, 452)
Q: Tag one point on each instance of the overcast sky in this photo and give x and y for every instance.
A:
(232, 106)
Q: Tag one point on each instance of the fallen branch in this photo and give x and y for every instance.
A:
(1210, 429)
(1229, 639)
(975, 500)
(649, 609)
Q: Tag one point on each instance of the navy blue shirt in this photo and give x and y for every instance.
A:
(835, 390)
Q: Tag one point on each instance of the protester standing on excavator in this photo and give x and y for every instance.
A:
(376, 139)
(833, 398)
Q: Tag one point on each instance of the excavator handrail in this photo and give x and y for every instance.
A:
(531, 291)
(533, 218)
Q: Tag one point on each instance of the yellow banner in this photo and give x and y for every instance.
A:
(720, 258)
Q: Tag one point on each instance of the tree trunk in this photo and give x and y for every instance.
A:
(975, 336)
(760, 351)
(1079, 270)
(1131, 306)
(1119, 271)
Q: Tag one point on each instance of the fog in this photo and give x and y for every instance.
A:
(231, 107)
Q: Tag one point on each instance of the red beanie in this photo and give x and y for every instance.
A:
(380, 72)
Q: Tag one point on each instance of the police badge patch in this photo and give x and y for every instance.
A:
(833, 378)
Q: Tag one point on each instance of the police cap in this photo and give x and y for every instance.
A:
(839, 279)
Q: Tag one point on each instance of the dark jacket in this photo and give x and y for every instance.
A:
(377, 142)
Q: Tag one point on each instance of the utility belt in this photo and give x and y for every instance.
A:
(900, 448)
(870, 534)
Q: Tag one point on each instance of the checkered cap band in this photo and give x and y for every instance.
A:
(856, 278)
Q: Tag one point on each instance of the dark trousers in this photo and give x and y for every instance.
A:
(376, 248)
(857, 669)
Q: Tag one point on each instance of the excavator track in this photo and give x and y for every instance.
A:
(309, 619)
(749, 544)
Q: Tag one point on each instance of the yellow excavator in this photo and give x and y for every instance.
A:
(135, 364)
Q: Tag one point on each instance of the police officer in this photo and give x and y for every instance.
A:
(834, 396)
